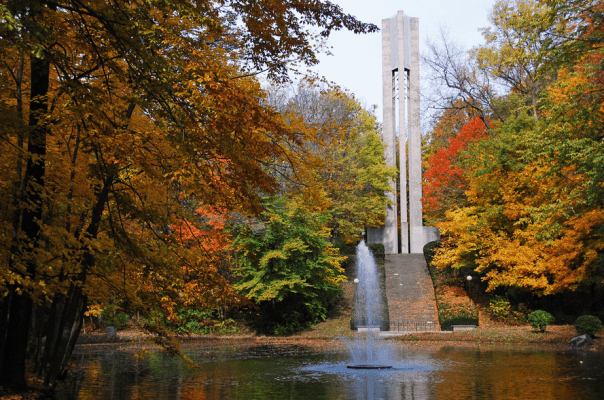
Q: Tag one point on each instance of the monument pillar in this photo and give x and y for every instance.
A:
(400, 80)
(390, 230)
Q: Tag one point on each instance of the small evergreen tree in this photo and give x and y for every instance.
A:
(540, 320)
(588, 325)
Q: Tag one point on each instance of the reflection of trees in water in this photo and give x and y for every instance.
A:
(499, 374)
(387, 386)
(274, 372)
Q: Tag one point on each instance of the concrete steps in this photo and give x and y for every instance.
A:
(410, 293)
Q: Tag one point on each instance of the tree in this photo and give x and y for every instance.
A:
(345, 172)
(446, 178)
(288, 266)
(512, 231)
(458, 82)
(532, 218)
(138, 113)
(446, 125)
(513, 53)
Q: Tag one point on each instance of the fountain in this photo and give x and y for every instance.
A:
(368, 352)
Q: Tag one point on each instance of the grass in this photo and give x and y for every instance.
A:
(557, 334)
(338, 324)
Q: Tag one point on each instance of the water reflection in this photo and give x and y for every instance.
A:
(296, 372)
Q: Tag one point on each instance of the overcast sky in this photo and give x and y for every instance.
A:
(356, 63)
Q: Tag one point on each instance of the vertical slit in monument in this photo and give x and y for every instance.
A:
(399, 190)
(406, 88)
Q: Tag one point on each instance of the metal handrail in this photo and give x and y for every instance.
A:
(416, 326)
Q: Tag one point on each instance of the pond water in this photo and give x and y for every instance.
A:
(290, 371)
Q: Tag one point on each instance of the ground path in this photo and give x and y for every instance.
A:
(410, 293)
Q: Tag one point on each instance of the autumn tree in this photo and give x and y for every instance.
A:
(446, 176)
(502, 77)
(532, 218)
(345, 172)
(504, 233)
(458, 82)
(512, 54)
(286, 260)
(119, 121)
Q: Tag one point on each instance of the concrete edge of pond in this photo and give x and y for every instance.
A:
(402, 333)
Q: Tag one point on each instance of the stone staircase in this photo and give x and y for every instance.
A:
(410, 293)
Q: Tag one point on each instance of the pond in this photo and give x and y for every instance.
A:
(240, 370)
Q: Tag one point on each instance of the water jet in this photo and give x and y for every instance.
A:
(369, 317)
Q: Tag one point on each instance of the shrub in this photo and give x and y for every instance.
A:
(379, 253)
(291, 271)
(377, 249)
(429, 251)
(500, 308)
(588, 325)
(540, 320)
(113, 317)
(456, 314)
(190, 321)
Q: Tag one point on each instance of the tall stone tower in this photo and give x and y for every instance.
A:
(400, 81)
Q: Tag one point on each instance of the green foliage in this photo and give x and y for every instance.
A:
(377, 249)
(540, 320)
(225, 327)
(429, 250)
(112, 316)
(500, 308)
(459, 313)
(379, 253)
(456, 314)
(288, 267)
(191, 322)
(588, 325)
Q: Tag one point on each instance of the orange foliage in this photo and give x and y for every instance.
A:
(501, 237)
(445, 178)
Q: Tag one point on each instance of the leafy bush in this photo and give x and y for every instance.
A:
(588, 325)
(190, 321)
(452, 309)
(456, 314)
(377, 249)
(112, 316)
(540, 320)
(289, 268)
(429, 251)
(500, 308)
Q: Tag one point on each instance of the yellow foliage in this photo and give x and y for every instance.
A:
(504, 238)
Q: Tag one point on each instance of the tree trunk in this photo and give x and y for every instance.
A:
(4, 322)
(12, 368)
(67, 310)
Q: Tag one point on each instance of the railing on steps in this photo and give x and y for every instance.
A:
(413, 326)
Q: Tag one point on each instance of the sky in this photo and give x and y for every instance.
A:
(356, 63)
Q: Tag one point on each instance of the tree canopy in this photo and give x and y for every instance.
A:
(529, 214)
(125, 124)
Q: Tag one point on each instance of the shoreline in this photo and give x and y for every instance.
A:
(556, 335)
(516, 338)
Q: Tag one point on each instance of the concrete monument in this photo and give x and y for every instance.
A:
(400, 80)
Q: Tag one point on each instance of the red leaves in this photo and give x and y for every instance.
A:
(444, 173)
